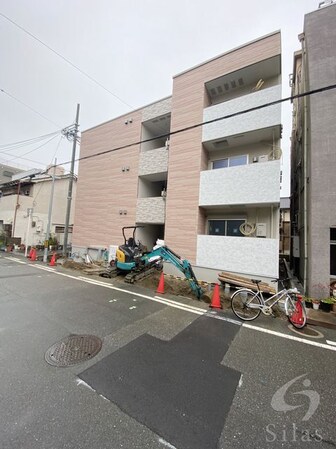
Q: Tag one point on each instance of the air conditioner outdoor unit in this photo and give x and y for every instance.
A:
(263, 158)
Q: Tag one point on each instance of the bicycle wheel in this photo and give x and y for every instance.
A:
(296, 312)
(245, 304)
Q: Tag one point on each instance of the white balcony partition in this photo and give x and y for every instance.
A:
(151, 210)
(261, 118)
(246, 184)
(245, 255)
(153, 161)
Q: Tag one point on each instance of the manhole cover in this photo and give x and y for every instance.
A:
(306, 331)
(72, 350)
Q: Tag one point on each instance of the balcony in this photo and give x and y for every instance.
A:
(244, 255)
(259, 119)
(151, 210)
(153, 163)
(257, 183)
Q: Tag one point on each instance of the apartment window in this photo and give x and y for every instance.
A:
(332, 251)
(226, 227)
(60, 229)
(233, 161)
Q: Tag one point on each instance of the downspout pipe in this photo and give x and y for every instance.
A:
(305, 153)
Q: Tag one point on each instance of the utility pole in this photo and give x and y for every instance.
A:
(74, 133)
(29, 215)
(46, 242)
(17, 205)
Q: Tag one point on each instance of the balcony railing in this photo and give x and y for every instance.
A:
(153, 161)
(151, 210)
(245, 255)
(250, 121)
(257, 183)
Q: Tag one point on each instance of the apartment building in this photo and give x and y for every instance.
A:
(7, 171)
(205, 187)
(313, 156)
(24, 206)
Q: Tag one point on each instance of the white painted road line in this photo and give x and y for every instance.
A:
(178, 303)
(289, 337)
(41, 267)
(14, 259)
(331, 346)
(333, 343)
(165, 443)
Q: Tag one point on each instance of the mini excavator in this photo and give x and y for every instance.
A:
(132, 260)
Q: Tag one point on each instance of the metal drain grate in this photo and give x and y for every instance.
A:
(73, 349)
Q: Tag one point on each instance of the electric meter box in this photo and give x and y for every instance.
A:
(261, 229)
(112, 252)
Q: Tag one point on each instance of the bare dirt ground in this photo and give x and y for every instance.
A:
(172, 285)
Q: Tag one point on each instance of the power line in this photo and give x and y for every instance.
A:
(27, 142)
(66, 60)
(29, 107)
(197, 125)
(25, 159)
(31, 151)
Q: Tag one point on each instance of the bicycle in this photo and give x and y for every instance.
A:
(247, 304)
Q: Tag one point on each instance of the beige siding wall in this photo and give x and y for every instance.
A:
(103, 188)
(186, 157)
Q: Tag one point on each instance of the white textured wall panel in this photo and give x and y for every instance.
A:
(156, 109)
(153, 161)
(246, 255)
(246, 184)
(262, 118)
(151, 210)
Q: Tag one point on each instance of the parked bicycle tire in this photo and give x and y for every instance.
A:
(296, 312)
(239, 304)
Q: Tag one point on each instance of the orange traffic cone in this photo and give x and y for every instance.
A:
(33, 256)
(215, 301)
(160, 288)
(53, 260)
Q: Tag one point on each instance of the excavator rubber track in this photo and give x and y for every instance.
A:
(141, 273)
(111, 272)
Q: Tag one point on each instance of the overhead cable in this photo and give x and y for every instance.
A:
(27, 142)
(67, 61)
(29, 107)
(197, 125)
(31, 151)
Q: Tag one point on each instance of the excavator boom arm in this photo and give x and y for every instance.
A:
(183, 265)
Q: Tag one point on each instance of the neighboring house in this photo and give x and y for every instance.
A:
(32, 191)
(196, 190)
(313, 158)
(6, 172)
(285, 227)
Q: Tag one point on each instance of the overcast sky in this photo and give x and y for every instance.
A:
(133, 48)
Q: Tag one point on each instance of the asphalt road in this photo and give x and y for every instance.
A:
(170, 374)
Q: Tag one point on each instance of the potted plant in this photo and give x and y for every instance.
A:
(316, 304)
(308, 302)
(326, 304)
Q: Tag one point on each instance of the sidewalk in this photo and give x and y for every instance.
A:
(320, 318)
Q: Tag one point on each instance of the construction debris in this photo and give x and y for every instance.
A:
(240, 281)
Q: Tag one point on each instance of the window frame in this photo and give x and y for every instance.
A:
(243, 219)
(228, 158)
